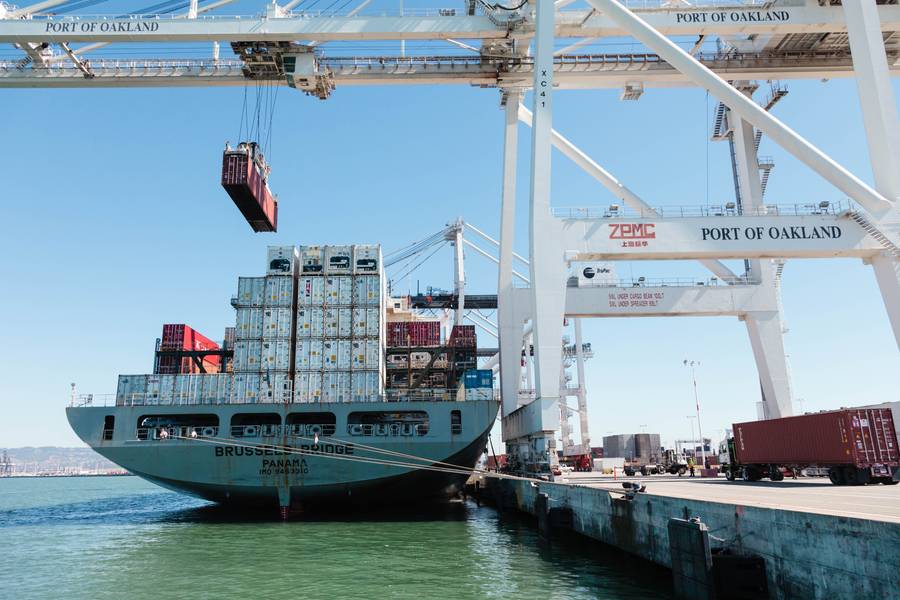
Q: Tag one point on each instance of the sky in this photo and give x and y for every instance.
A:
(114, 222)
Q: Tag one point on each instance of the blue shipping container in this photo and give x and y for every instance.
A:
(478, 378)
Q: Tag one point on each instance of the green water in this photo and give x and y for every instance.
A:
(120, 537)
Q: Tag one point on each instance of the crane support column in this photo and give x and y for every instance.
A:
(547, 272)
(459, 273)
(766, 329)
(582, 393)
(882, 127)
(510, 329)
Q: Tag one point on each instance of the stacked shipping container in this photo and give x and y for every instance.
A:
(264, 328)
(339, 340)
(178, 336)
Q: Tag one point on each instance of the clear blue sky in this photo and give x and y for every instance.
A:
(114, 223)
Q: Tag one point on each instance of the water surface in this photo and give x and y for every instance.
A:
(115, 537)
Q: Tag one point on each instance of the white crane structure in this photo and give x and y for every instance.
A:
(513, 48)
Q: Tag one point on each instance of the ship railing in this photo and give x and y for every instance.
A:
(194, 399)
(176, 432)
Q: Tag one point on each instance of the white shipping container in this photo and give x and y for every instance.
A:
(188, 389)
(276, 355)
(373, 384)
(358, 386)
(373, 323)
(336, 387)
(310, 322)
(358, 354)
(132, 389)
(359, 322)
(330, 354)
(228, 342)
(275, 387)
(276, 322)
(279, 290)
(239, 361)
(339, 290)
(281, 260)
(345, 354)
(367, 290)
(254, 355)
(216, 388)
(245, 388)
(166, 389)
(251, 291)
(366, 258)
(311, 291)
(307, 386)
(308, 354)
(373, 354)
(153, 389)
(248, 323)
(338, 260)
(345, 322)
(331, 322)
(312, 259)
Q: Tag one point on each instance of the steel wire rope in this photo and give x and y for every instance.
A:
(414, 248)
(420, 263)
(454, 469)
(76, 5)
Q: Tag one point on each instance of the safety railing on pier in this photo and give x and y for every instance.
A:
(729, 209)
(634, 282)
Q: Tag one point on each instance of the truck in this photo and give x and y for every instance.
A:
(857, 446)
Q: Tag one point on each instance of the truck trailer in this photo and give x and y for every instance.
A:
(858, 446)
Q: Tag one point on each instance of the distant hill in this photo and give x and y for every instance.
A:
(46, 459)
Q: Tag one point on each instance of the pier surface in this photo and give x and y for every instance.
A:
(806, 494)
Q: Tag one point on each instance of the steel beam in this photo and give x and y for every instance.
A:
(788, 139)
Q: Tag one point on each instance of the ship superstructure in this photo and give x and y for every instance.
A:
(293, 407)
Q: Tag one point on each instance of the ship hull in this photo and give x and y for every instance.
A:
(282, 467)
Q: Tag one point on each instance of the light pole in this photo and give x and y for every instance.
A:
(693, 364)
(693, 437)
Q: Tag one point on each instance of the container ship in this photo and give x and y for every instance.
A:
(326, 392)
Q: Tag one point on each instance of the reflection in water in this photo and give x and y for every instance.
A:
(107, 539)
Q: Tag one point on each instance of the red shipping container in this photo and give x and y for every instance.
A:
(860, 437)
(244, 177)
(463, 336)
(178, 336)
(414, 333)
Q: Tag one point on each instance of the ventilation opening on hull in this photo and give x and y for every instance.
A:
(388, 423)
(109, 425)
(455, 422)
(161, 426)
(254, 424)
(312, 423)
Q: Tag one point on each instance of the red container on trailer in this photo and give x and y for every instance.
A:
(856, 436)
(244, 175)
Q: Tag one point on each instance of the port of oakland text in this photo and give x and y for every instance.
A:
(795, 232)
(102, 26)
(750, 16)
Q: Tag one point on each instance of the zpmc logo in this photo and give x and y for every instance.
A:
(632, 231)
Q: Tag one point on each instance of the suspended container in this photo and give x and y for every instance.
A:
(244, 175)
